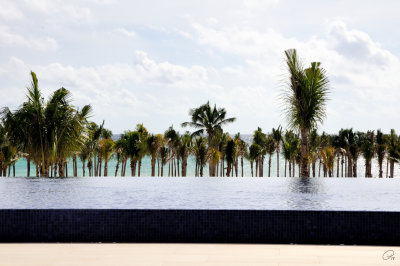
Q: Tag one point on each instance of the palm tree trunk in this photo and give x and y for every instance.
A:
(177, 162)
(251, 166)
(355, 168)
(140, 166)
(95, 165)
(337, 166)
(387, 167)
(277, 163)
(158, 167)
(269, 166)
(83, 168)
(117, 167)
(28, 166)
(162, 169)
(257, 166)
(66, 169)
(285, 167)
(314, 162)
(304, 171)
(184, 166)
(391, 168)
(319, 168)
(153, 165)
(349, 166)
(133, 167)
(241, 163)
(105, 167)
(174, 167)
(341, 162)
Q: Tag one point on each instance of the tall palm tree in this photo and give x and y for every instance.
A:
(254, 153)
(368, 151)
(200, 153)
(107, 148)
(230, 154)
(172, 138)
(184, 151)
(259, 138)
(328, 158)
(241, 150)
(154, 143)
(277, 136)
(393, 150)
(270, 147)
(381, 144)
(305, 101)
(55, 127)
(164, 151)
(206, 118)
(143, 147)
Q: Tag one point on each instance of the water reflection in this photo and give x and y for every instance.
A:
(305, 194)
(305, 185)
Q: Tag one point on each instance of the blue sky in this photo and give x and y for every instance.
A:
(151, 61)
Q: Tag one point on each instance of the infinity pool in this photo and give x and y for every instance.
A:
(359, 194)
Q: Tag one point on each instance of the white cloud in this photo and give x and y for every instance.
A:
(60, 10)
(8, 39)
(9, 11)
(126, 33)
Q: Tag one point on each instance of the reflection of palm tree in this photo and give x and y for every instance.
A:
(305, 100)
(209, 119)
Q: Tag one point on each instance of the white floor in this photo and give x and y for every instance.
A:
(195, 254)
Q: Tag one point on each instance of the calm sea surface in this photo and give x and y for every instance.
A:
(364, 194)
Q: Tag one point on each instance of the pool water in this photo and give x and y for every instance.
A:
(359, 194)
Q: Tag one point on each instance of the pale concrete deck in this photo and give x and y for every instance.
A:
(192, 254)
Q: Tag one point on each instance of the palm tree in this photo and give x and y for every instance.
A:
(328, 158)
(254, 153)
(381, 144)
(154, 143)
(270, 147)
(230, 154)
(164, 151)
(241, 150)
(259, 138)
(200, 153)
(368, 151)
(143, 147)
(393, 150)
(206, 118)
(172, 138)
(107, 148)
(305, 101)
(55, 127)
(277, 136)
(184, 150)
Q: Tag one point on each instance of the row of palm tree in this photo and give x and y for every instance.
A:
(48, 133)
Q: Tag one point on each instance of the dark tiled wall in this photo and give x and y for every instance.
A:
(201, 226)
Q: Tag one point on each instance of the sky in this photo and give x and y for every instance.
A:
(152, 61)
